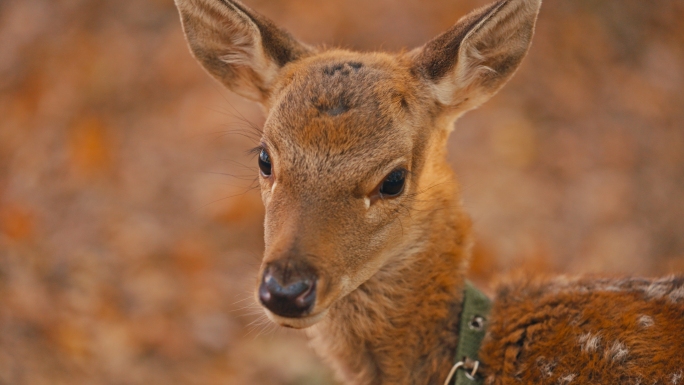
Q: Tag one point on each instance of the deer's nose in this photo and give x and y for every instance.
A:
(288, 291)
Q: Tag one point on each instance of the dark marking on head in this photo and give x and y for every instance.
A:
(332, 70)
(332, 107)
(344, 69)
(337, 110)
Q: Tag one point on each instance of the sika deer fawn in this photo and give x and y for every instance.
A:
(366, 241)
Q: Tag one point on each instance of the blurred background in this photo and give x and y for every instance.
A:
(130, 234)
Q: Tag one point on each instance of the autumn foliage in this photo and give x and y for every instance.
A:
(130, 233)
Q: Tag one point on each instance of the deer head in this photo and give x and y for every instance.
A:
(352, 158)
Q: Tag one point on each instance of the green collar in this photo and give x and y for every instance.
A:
(476, 308)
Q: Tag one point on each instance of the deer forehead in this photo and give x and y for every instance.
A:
(352, 112)
(342, 103)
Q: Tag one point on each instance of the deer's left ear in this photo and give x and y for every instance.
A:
(469, 63)
(239, 47)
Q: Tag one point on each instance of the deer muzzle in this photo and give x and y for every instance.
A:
(288, 289)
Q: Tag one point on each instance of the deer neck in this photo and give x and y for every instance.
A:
(400, 326)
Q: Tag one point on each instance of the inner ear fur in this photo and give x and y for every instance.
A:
(470, 62)
(241, 48)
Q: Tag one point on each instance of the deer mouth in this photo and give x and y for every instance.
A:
(299, 322)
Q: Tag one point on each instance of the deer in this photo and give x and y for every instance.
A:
(366, 239)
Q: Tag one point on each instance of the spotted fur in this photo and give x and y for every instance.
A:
(595, 331)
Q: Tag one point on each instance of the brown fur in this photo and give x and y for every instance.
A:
(390, 272)
(586, 331)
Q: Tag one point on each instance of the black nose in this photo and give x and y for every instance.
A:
(288, 290)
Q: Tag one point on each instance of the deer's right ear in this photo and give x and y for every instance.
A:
(239, 47)
(469, 63)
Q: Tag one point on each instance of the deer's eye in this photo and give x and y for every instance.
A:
(264, 163)
(393, 184)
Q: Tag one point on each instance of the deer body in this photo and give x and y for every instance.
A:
(366, 239)
(586, 331)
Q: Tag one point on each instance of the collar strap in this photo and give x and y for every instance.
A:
(476, 307)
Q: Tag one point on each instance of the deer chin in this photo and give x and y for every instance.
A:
(297, 323)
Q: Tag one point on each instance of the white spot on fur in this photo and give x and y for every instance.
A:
(367, 201)
(566, 379)
(545, 367)
(617, 352)
(656, 290)
(677, 294)
(589, 342)
(614, 288)
(645, 321)
(273, 187)
(676, 378)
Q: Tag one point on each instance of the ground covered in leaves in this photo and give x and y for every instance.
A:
(129, 232)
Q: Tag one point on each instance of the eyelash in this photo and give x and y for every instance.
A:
(256, 150)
